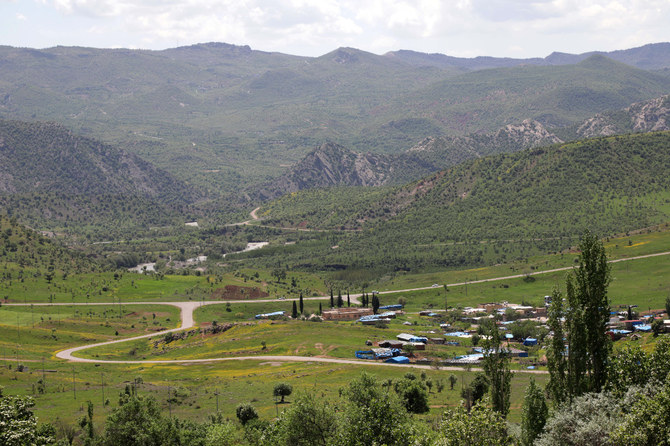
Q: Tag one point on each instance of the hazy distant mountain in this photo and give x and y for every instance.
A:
(648, 57)
(226, 117)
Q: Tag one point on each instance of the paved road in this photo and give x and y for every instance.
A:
(187, 322)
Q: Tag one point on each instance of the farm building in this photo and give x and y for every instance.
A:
(346, 314)
(490, 307)
(374, 318)
(406, 337)
(270, 315)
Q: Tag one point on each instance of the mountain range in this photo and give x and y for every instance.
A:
(226, 117)
(332, 165)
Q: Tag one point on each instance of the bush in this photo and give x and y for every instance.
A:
(245, 413)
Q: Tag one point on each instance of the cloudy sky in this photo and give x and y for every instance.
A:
(466, 28)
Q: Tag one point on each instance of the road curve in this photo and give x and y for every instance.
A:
(187, 309)
(186, 315)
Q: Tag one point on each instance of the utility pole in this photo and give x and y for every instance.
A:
(102, 382)
(168, 399)
(216, 392)
(74, 385)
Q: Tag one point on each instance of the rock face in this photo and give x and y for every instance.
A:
(528, 134)
(651, 116)
(331, 165)
(646, 116)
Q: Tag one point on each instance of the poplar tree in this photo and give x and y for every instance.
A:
(302, 307)
(496, 367)
(556, 358)
(534, 414)
(586, 315)
(375, 303)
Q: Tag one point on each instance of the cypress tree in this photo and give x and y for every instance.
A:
(332, 300)
(340, 302)
(294, 313)
(496, 366)
(375, 303)
(302, 307)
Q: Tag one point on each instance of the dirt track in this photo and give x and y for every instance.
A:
(187, 322)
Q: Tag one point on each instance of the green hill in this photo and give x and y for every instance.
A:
(491, 209)
(53, 179)
(23, 250)
(226, 117)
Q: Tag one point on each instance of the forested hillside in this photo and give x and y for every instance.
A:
(226, 117)
(544, 196)
(22, 249)
(332, 165)
(52, 178)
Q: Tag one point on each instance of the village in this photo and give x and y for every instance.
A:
(454, 337)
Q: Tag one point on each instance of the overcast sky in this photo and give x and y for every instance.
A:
(466, 28)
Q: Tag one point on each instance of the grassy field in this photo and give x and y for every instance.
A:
(68, 386)
(34, 332)
(129, 287)
(30, 335)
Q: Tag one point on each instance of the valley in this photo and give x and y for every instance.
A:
(226, 221)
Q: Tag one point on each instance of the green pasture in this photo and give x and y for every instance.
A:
(647, 242)
(301, 338)
(110, 287)
(243, 311)
(33, 332)
(193, 388)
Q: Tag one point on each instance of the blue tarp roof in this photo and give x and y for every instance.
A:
(374, 317)
(642, 327)
(530, 341)
(398, 360)
(459, 334)
(391, 307)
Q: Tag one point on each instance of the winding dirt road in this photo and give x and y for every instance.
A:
(186, 315)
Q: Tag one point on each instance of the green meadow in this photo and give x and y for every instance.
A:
(31, 335)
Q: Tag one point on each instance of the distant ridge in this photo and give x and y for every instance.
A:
(653, 56)
(332, 165)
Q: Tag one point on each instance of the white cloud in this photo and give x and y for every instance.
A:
(21, 17)
(310, 27)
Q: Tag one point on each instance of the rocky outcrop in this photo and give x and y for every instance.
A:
(529, 133)
(651, 116)
(646, 116)
(331, 165)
